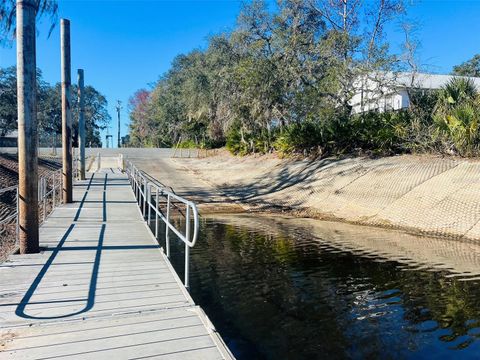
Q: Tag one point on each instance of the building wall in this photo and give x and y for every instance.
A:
(381, 103)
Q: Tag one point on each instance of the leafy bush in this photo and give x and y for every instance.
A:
(457, 116)
(382, 133)
(445, 121)
(299, 137)
(187, 144)
(243, 142)
(236, 142)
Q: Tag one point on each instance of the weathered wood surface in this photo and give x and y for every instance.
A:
(101, 288)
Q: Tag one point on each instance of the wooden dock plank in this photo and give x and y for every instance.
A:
(101, 288)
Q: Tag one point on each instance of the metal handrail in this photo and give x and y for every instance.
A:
(7, 189)
(44, 193)
(147, 189)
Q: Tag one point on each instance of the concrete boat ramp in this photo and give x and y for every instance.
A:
(101, 288)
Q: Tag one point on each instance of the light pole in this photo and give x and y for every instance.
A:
(118, 107)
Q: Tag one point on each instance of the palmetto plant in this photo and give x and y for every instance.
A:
(457, 115)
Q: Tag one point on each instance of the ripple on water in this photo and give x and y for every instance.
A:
(303, 289)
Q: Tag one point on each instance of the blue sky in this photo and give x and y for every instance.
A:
(125, 45)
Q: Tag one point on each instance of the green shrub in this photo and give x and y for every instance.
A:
(382, 133)
(299, 137)
(236, 143)
(187, 144)
(241, 142)
(457, 116)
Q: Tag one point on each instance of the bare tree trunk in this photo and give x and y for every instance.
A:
(66, 112)
(27, 128)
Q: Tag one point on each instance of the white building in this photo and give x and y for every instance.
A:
(389, 91)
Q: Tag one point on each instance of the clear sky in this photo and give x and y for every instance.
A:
(125, 45)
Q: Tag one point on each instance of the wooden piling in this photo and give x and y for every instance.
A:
(66, 112)
(81, 123)
(27, 128)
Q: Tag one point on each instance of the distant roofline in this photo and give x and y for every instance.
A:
(424, 80)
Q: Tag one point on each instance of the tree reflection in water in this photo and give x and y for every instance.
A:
(303, 289)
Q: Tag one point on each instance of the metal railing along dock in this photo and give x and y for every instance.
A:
(49, 196)
(148, 193)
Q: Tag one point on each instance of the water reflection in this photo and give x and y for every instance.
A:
(281, 288)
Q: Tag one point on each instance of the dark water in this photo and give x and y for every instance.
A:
(285, 289)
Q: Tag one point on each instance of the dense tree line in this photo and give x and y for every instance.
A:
(468, 68)
(284, 79)
(292, 65)
(49, 113)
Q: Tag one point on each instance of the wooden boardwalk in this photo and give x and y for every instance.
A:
(101, 288)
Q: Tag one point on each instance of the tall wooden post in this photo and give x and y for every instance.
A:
(66, 112)
(27, 128)
(81, 123)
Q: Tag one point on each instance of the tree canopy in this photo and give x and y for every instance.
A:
(295, 63)
(8, 16)
(468, 68)
(49, 111)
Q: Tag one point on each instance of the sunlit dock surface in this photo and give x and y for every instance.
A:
(101, 288)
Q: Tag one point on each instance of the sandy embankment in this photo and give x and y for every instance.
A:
(425, 194)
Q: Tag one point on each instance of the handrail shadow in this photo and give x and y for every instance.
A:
(26, 300)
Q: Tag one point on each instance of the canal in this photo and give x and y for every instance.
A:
(284, 288)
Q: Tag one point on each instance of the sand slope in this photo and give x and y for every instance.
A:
(421, 193)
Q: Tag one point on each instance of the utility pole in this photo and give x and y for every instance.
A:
(118, 107)
(27, 127)
(81, 123)
(109, 138)
(66, 112)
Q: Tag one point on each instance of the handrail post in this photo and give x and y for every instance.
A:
(61, 187)
(137, 181)
(167, 228)
(144, 196)
(54, 189)
(134, 182)
(137, 188)
(156, 214)
(44, 194)
(137, 194)
(17, 228)
(149, 189)
(143, 184)
(187, 248)
(140, 185)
